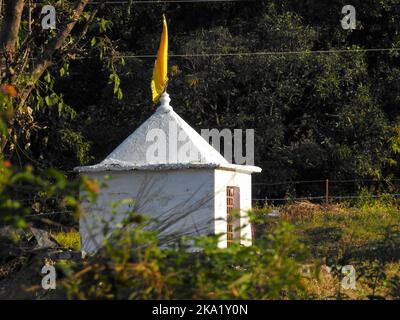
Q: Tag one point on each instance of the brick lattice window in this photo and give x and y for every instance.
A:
(230, 193)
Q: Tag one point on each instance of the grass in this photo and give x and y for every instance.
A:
(365, 234)
(68, 240)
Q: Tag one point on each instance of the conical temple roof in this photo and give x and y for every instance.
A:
(164, 141)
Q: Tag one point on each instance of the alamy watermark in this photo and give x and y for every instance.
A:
(237, 147)
(173, 145)
(349, 20)
(349, 276)
(49, 20)
(49, 280)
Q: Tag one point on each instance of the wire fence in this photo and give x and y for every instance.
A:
(325, 190)
(41, 214)
(323, 197)
(281, 192)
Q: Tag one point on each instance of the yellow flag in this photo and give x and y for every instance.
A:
(159, 80)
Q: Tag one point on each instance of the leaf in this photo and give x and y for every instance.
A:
(47, 77)
(40, 101)
(48, 101)
(93, 41)
(119, 94)
(60, 107)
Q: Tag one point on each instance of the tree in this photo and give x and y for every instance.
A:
(30, 57)
(315, 116)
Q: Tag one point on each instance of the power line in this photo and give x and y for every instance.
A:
(168, 1)
(157, 2)
(263, 53)
(249, 54)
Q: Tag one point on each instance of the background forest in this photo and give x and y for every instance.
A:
(316, 116)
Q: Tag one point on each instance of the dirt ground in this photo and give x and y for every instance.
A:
(21, 264)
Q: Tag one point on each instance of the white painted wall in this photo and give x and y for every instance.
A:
(224, 178)
(195, 197)
(183, 194)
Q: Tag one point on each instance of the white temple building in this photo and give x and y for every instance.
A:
(174, 175)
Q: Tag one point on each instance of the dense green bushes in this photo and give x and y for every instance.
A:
(135, 267)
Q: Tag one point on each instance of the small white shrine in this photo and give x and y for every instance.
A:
(173, 175)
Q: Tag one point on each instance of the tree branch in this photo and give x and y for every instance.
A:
(12, 21)
(44, 60)
(9, 33)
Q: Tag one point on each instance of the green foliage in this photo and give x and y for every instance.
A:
(364, 234)
(6, 110)
(46, 184)
(68, 240)
(13, 211)
(315, 116)
(115, 80)
(75, 143)
(134, 266)
(46, 108)
(395, 140)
